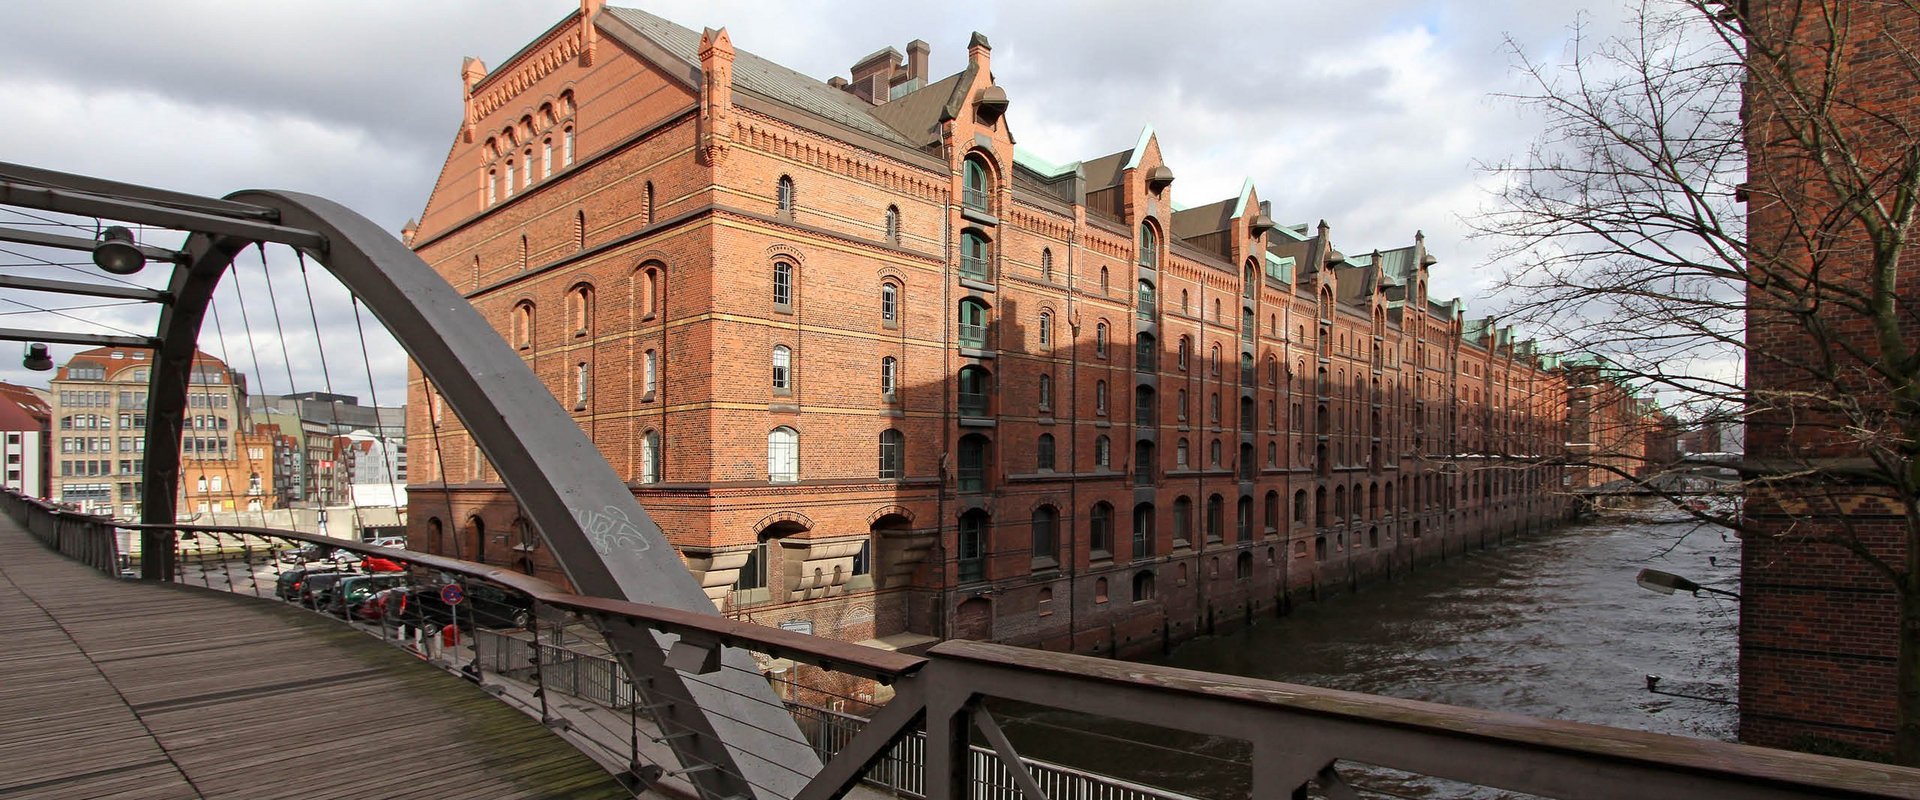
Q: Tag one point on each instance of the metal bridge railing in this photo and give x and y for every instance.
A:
(940, 736)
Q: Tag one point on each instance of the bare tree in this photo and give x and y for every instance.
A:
(1721, 208)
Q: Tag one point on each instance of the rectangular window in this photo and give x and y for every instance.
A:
(580, 385)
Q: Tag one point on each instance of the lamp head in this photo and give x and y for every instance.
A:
(116, 253)
(38, 359)
(1654, 580)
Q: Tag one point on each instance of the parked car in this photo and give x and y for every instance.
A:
(317, 552)
(485, 606)
(399, 542)
(353, 590)
(292, 582)
(316, 590)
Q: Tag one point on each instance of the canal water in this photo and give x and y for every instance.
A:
(1549, 626)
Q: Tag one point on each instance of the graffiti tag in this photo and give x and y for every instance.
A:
(609, 529)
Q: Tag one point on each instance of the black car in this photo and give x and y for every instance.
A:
(485, 606)
(316, 589)
(291, 583)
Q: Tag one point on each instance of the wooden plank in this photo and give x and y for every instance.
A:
(115, 688)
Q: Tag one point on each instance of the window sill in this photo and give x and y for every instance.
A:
(980, 284)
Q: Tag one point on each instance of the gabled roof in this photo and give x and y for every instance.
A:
(762, 77)
(917, 114)
(21, 409)
(1203, 220)
(1106, 170)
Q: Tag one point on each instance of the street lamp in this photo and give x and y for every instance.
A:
(38, 358)
(116, 252)
(1654, 580)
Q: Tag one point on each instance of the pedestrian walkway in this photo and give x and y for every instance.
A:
(113, 688)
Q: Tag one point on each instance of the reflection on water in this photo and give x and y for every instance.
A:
(1553, 626)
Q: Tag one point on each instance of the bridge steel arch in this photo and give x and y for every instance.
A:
(729, 730)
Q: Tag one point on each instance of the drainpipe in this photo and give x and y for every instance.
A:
(1073, 445)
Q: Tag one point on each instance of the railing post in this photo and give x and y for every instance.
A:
(949, 758)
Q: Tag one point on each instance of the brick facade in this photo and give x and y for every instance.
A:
(1236, 412)
(1818, 626)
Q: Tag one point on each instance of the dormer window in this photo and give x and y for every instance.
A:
(976, 192)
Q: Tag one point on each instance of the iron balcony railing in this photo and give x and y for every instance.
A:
(974, 335)
(974, 267)
(973, 404)
(1297, 737)
(975, 198)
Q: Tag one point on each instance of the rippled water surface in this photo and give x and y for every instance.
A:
(1551, 626)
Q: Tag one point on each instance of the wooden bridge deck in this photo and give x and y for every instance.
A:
(113, 688)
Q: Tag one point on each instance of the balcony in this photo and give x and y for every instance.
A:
(974, 404)
(973, 335)
(976, 199)
(975, 268)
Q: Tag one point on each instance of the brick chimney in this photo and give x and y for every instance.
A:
(917, 52)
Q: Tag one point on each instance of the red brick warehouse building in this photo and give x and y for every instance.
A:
(880, 375)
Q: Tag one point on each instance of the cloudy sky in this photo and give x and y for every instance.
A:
(1370, 114)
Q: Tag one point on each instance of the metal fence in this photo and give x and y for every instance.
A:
(903, 769)
(595, 678)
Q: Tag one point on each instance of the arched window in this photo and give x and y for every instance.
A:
(783, 454)
(580, 301)
(973, 546)
(1043, 453)
(566, 146)
(976, 255)
(1213, 361)
(546, 156)
(1272, 512)
(1146, 353)
(523, 325)
(782, 285)
(493, 186)
(1100, 340)
(1300, 507)
(893, 458)
(976, 191)
(893, 224)
(782, 369)
(528, 158)
(1143, 586)
(784, 196)
(1103, 452)
(1185, 353)
(1246, 281)
(1100, 530)
(976, 391)
(1046, 328)
(582, 385)
(1046, 263)
(1046, 392)
(646, 205)
(1100, 398)
(1182, 409)
(1182, 521)
(649, 292)
(973, 323)
(1180, 453)
(1046, 533)
(580, 230)
(889, 304)
(650, 457)
(1216, 511)
(506, 190)
(889, 376)
(1145, 463)
(1149, 246)
(1145, 407)
(1105, 286)
(649, 374)
(1146, 305)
